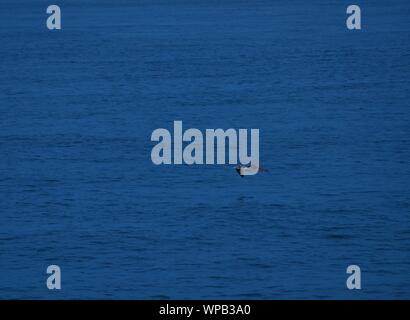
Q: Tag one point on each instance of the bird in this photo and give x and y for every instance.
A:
(248, 170)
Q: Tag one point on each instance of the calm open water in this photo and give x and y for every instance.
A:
(78, 188)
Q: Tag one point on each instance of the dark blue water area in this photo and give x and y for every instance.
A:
(78, 187)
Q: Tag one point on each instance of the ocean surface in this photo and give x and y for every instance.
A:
(78, 188)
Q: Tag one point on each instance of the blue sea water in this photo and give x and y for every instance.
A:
(78, 187)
